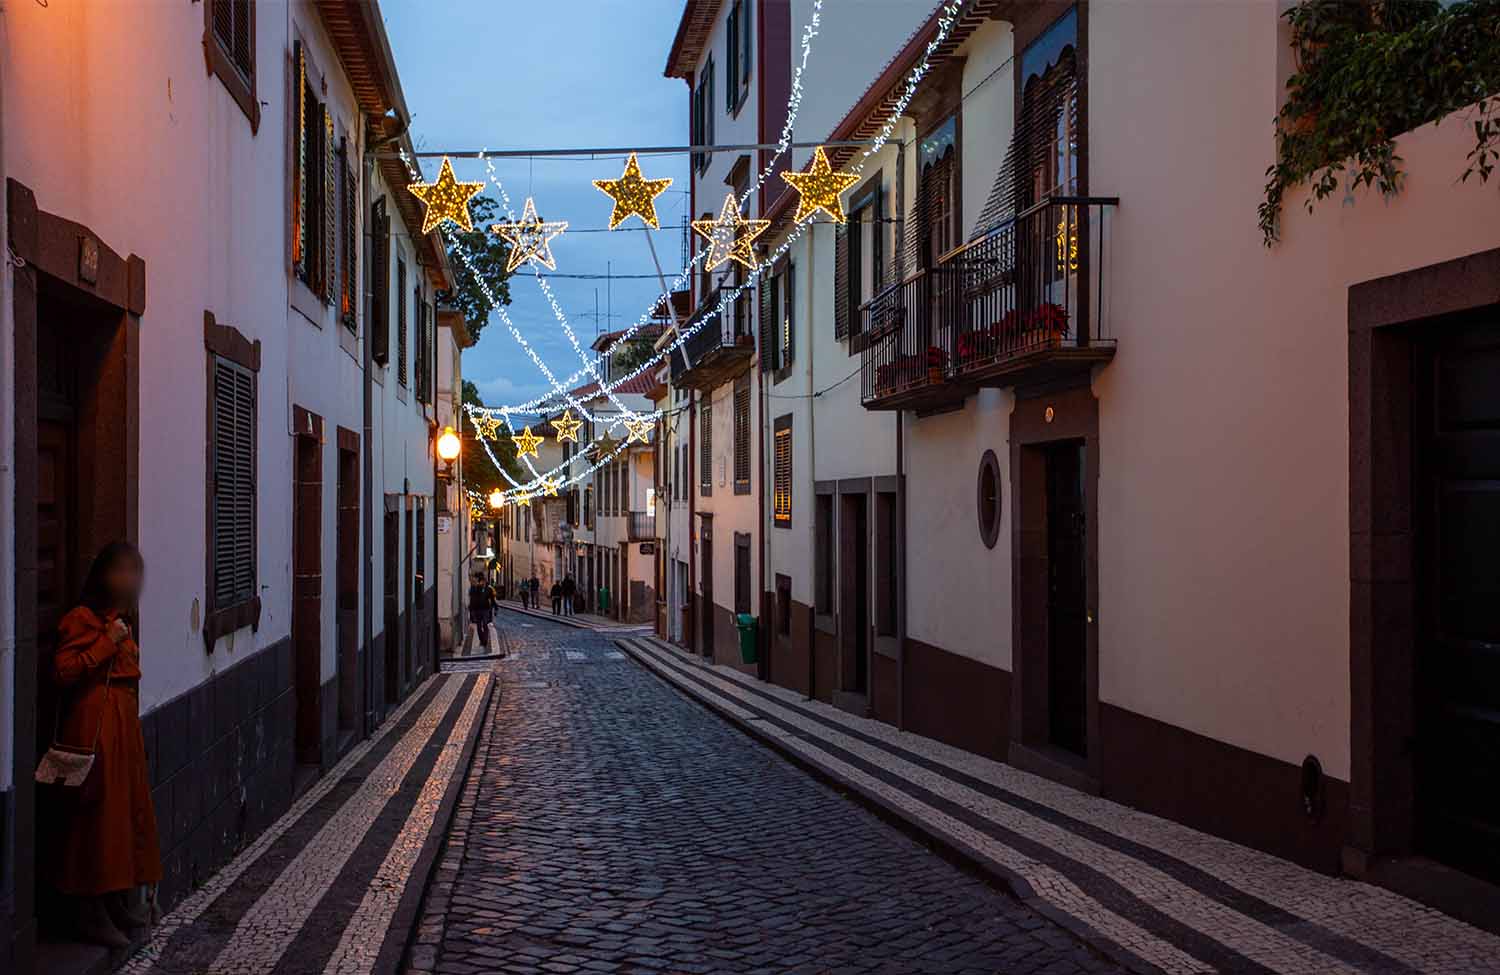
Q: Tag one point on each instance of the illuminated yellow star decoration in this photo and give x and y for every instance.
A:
(633, 195)
(550, 486)
(485, 425)
(476, 513)
(725, 240)
(523, 497)
(567, 426)
(604, 446)
(446, 199)
(818, 188)
(526, 443)
(530, 238)
(640, 430)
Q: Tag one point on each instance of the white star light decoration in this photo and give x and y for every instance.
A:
(730, 236)
(530, 238)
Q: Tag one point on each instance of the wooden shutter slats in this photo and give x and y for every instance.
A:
(380, 284)
(742, 433)
(789, 317)
(767, 323)
(401, 322)
(330, 214)
(349, 303)
(241, 49)
(841, 281)
(233, 484)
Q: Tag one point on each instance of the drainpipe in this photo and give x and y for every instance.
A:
(900, 542)
(367, 461)
(7, 476)
(763, 633)
(812, 446)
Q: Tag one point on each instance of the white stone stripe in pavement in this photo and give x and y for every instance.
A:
(1398, 927)
(271, 924)
(193, 906)
(1049, 885)
(1238, 932)
(359, 946)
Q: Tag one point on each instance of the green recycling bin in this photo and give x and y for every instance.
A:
(745, 623)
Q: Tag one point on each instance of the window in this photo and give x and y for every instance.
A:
(742, 435)
(231, 433)
(419, 564)
(737, 55)
(989, 499)
(703, 116)
(588, 506)
(741, 572)
(781, 495)
(229, 45)
(424, 348)
(401, 321)
(706, 449)
(379, 271)
(314, 188)
(823, 543)
(859, 249)
(777, 322)
(622, 472)
(349, 240)
(937, 191)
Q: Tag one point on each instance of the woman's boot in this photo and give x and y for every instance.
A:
(95, 926)
(127, 909)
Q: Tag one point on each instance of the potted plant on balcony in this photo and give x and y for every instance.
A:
(935, 362)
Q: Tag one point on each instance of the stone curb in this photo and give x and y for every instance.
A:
(406, 935)
(951, 847)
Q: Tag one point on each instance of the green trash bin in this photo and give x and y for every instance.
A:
(745, 623)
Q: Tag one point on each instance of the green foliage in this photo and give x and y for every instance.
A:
(630, 358)
(1369, 70)
(480, 473)
(487, 254)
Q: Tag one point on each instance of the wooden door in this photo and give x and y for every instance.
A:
(307, 598)
(706, 604)
(1457, 481)
(1067, 599)
(346, 533)
(392, 543)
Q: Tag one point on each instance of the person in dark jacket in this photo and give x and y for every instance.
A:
(556, 593)
(569, 593)
(481, 608)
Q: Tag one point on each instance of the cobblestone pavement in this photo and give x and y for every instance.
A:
(1148, 891)
(611, 825)
(334, 885)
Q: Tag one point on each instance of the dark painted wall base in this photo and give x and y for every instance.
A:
(957, 700)
(1216, 787)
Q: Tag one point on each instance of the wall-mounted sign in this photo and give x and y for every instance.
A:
(648, 548)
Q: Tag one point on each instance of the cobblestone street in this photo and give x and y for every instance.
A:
(612, 825)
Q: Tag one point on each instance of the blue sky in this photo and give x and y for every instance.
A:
(520, 74)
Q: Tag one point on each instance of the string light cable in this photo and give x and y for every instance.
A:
(945, 26)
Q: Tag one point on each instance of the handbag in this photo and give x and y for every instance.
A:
(74, 771)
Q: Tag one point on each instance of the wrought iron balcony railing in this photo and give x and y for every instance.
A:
(1024, 303)
(719, 350)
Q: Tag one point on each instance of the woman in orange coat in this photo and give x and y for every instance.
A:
(105, 846)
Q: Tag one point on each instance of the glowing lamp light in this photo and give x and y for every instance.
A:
(497, 499)
(448, 446)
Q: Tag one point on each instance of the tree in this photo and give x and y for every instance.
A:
(1366, 73)
(478, 258)
(480, 473)
(630, 358)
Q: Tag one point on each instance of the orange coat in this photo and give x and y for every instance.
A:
(109, 844)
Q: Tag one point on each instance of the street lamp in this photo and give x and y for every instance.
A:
(448, 447)
(497, 499)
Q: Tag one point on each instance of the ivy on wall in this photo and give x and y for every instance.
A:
(1369, 70)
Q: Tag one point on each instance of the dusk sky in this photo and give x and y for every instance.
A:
(479, 74)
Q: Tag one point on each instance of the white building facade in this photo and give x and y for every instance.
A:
(209, 351)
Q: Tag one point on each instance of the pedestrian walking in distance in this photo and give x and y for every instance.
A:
(557, 598)
(569, 593)
(536, 593)
(100, 836)
(481, 608)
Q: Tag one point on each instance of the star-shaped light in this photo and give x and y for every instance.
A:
(604, 446)
(526, 443)
(725, 240)
(476, 513)
(640, 430)
(818, 188)
(446, 199)
(530, 238)
(485, 425)
(567, 426)
(523, 498)
(550, 486)
(633, 195)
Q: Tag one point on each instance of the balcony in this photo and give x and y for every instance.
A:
(641, 526)
(1019, 306)
(719, 351)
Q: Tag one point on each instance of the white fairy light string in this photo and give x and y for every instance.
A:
(945, 26)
